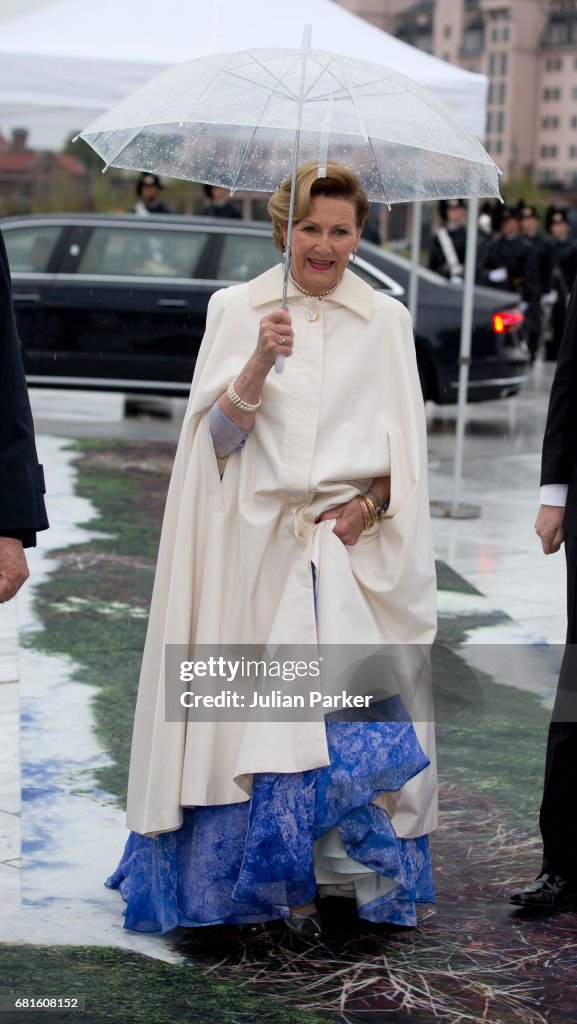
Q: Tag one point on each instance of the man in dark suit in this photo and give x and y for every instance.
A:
(22, 511)
(556, 886)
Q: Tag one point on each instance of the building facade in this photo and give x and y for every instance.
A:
(527, 49)
(31, 181)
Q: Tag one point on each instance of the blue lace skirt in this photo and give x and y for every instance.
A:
(249, 862)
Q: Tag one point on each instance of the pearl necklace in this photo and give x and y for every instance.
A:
(311, 295)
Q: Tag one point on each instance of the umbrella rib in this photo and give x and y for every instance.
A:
(367, 136)
(348, 90)
(124, 146)
(244, 156)
(249, 143)
(208, 85)
(322, 69)
(279, 81)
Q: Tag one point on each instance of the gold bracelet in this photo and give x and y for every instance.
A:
(374, 499)
(368, 509)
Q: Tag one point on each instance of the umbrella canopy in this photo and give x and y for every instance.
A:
(237, 119)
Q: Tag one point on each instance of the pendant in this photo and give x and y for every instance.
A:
(313, 315)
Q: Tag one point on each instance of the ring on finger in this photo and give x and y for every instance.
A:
(282, 340)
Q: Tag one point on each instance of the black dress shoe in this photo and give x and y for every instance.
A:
(547, 893)
(308, 927)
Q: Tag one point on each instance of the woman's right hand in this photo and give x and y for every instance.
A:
(274, 327)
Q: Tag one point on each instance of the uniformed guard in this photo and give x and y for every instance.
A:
(447, 253)
(509, 263)
(529, 220)
(149, 190)
(564, 256)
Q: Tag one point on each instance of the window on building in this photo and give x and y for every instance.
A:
(503, 63)
(492, 63)
(548, 152)
(553, 64)
(473, 38)
(574, 122)
(498, 147)
(489, 125)
(502, 91)
(505, 35)
(490, 94)
(488, 145)
(550, 122)
(573, 152)
(500, 121)
(447, 31)
(494, 35)
(554, 94)
(575, 92)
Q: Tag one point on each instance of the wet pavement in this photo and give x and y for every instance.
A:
(61, 898)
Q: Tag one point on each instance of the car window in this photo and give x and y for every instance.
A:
(30, 248)
(243, 257)
(383, 282)
(365, 276)
(142, 252)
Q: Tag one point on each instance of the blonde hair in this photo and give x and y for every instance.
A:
(340, 183)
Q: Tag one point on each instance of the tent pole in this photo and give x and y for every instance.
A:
(416, 225)
(465, 351)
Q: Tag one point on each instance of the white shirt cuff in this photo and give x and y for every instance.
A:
(554, 494)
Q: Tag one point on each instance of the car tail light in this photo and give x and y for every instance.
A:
(507, 320)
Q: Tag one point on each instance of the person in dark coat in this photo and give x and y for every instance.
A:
(556, 886)
(149, 190)
(220, 204)
(564, 256)
(509, 262)
(449, 243)
(529, 220)
(22, 511)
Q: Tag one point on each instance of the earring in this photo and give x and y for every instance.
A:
(354, 256)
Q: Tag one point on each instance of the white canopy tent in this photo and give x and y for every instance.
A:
(80, 56)
(73, 59)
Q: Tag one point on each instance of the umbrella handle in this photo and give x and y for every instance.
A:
(306, 45)
(281, 359)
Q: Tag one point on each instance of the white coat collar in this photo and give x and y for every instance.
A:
(353, 293)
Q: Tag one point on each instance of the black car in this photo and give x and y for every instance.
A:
(119, 303)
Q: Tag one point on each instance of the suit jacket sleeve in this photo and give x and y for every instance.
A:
(559, 454)
(22, 510)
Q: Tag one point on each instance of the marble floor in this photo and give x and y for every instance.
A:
(498, 553)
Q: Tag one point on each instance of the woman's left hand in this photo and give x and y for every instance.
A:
(349, 521)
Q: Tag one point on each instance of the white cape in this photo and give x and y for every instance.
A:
(234, 562)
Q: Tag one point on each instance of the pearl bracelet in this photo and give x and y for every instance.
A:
(239, 402)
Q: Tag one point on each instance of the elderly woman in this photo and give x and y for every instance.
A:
(297, 514)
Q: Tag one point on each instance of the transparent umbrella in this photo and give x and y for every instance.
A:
(243, 120)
